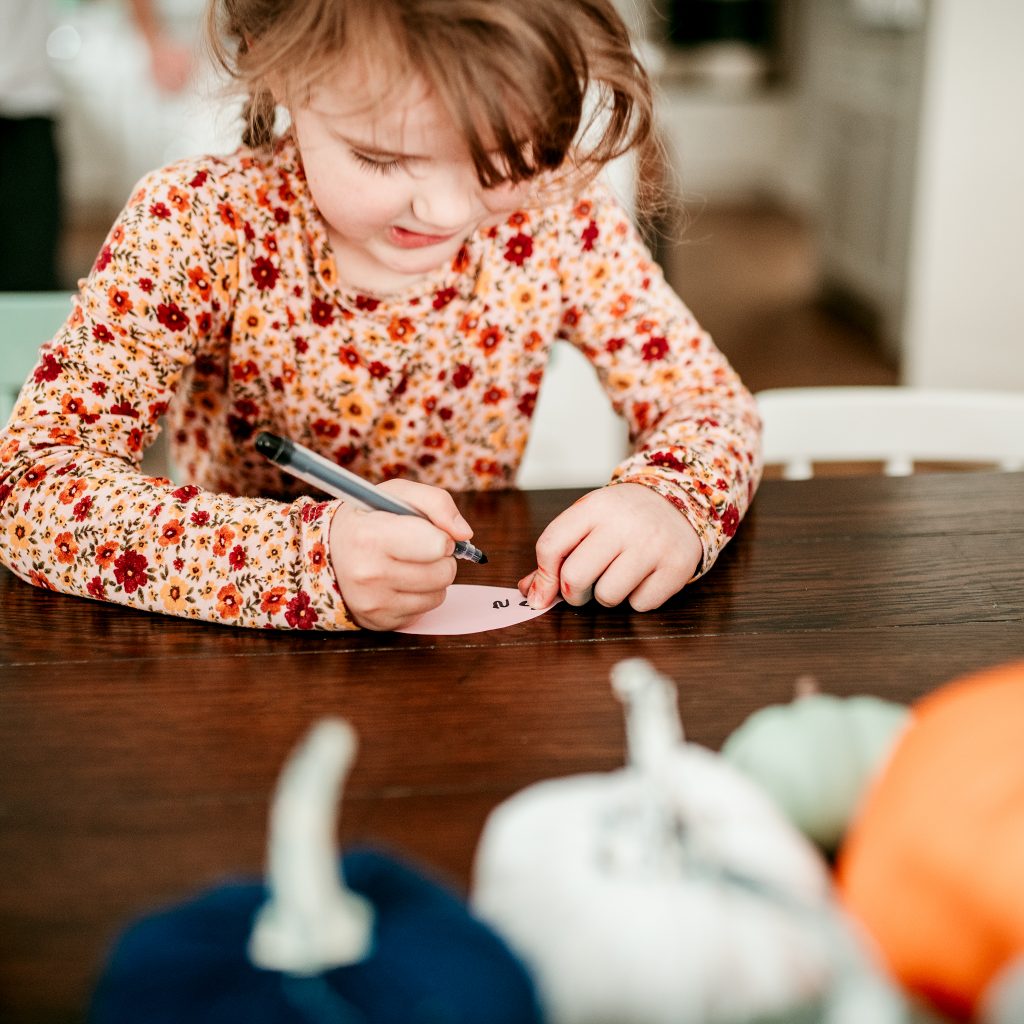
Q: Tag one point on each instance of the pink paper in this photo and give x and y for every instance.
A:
(470, 608)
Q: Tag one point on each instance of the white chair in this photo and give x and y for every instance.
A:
(897, 426)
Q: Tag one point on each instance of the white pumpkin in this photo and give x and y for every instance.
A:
(669, 892)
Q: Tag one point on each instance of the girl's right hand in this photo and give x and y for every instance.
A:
(391, 568)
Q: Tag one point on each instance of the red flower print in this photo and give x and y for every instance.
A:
(264, 273)
(311, 513)
(443, 296)
(97, 387)
(200, 282)
(425, 460)
(583, 208)
(105, 554)
(519, 249)
(95, 588)
(299, 614)
(400, 328)
(39, 580)
(486, 467)
(462, 376)
(349, 356)
(655, 348)
(171, 316)
(493, 395)
(229, 602)
(185, 494)
(160, 211)
(35, 475)
(461, 260)
(326, 428)
(730, 520)
(571, 317)
(366, 303)
(322, 313)
(171, 532)
(272, 601)
(237, 558)
(199, 518)
(445, 414)
(614, 344)
(527, 403)
(72, 491)
(119, 301)
(199, 179)
(318, 557)
(72, 405)
(239, 428)
(490, 338)
(102, 333)
(378, 370)
(281, 215)
(103, 260)
(130, 570)
(48, 370)
(224, 536)
(124, 409)
(82, 509)
(135, 439)
(666, 459)
(346, 454)
(589, 236)
(66, 548)
(228, 215)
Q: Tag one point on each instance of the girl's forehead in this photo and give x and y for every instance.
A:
(396, 114)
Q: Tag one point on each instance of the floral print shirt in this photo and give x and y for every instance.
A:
(215, 305)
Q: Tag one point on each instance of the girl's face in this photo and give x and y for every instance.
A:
(395, 186)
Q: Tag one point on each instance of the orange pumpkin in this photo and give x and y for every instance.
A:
(933, 865)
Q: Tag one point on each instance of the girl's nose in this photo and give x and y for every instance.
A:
(448, 200)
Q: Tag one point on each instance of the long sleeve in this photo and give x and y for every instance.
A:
(76, 513)
(694, 426)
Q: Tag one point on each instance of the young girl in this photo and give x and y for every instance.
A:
(382, 282)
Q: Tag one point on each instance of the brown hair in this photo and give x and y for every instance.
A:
(512, 74)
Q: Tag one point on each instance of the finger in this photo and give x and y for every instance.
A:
(585, 565)
(561, 537)
(434, 502)
(417, 578)
(395, 610)
(654, 591)
(619, 580)
(410, 539)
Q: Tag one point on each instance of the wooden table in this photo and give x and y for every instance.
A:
(137, 752)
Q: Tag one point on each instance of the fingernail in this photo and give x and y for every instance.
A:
(532, 599)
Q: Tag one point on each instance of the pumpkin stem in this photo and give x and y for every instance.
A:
(653, 729)
(805, 686)
(312, 921)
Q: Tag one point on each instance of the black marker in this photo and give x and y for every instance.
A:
(298, 460)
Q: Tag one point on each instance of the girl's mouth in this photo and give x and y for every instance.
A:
(413, 239)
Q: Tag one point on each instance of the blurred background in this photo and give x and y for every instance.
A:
(844, 176)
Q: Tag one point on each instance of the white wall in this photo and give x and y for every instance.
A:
(965, 314)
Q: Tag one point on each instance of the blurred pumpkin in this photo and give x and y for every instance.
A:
(817, 754)
(934, 863)
(369, 939)
(670, 892)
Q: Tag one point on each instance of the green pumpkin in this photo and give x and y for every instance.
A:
(816, 755)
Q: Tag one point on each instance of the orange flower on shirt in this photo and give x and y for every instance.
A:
(119, 301)
(199, 281)
(229, 602)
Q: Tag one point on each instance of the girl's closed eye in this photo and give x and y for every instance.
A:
(376, 164)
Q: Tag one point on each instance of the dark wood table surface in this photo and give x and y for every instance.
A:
(138, 752)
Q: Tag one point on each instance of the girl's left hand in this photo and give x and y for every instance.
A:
(619, 542)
